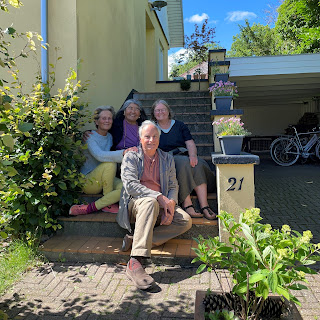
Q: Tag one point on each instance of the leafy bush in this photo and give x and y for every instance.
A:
(40, 158)
(39, 144)
(260, 259)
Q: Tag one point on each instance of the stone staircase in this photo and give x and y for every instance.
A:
(98, 238)
(191, 107)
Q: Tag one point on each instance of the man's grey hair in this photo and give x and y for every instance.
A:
(147, 123)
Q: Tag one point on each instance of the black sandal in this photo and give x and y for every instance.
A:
(212, 215)
(198, 214)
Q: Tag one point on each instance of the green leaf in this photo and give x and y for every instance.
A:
(56, 170)
(256, 277)
(62, 185)
(273, 281)
(283, 292)
(298, 286)
(225, 249)
(42, 208)
(11, 171)
(241, 287)
(306, 270)
(25, 126)
(201, 268)
(3, 235)
(8, 141)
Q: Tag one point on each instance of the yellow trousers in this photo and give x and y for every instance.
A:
(103, 178)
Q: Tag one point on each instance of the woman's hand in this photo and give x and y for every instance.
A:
(193, 161)
(135, 149)
(86, 135)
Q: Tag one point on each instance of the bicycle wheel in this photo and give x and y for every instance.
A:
(317, 151)
(284, 152)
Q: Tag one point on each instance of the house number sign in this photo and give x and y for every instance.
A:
(234, 184)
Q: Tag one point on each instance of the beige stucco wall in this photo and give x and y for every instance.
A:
(17, 19)
(117, 43)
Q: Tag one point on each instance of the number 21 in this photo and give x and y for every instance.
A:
(233, 181)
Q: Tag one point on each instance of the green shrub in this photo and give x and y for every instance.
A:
(40, 158)
(39, 142)
(260, 259)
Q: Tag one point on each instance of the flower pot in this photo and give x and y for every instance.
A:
(231, 145)
(223, 102)
(203, 76)
(221, 76)
(199, 308)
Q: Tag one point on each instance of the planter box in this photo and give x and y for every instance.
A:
(199, 309)
(221, 76)
(223, 102)
(231, 145)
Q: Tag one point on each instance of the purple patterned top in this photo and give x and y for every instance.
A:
(130, 137)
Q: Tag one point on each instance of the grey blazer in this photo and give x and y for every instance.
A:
(131, 173)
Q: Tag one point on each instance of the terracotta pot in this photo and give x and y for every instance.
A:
(199, 309)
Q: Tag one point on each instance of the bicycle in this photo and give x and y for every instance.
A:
(286, 150)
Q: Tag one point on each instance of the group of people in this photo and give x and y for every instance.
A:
(159, 170)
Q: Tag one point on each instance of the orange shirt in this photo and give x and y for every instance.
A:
(151, 173)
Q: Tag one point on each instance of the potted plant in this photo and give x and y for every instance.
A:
(230, 133)
(262, 262)
(215, 70)
(185, 84)
(224, 92)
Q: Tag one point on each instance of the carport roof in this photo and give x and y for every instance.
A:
(276, 80)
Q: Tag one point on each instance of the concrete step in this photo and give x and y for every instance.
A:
(179, 101)
(104, 224)
(180, 108)
(195, 126)
(168, 95)
(202, 137)
(69, 248)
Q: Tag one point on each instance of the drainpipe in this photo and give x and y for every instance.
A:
(44, 34)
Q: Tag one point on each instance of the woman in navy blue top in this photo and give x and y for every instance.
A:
(193, 173)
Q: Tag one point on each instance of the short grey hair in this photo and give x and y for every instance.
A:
(165, 103)
(128, 102)
(97, 111)
(147, 123)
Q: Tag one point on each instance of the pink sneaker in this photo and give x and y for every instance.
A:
(78, 209)
(113, 208)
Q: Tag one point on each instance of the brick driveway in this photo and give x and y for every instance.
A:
(101, 291)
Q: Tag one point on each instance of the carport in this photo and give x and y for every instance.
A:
(276, 91)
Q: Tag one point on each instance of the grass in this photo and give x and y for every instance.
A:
(15, 260)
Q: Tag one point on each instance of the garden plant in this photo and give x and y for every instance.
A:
(224, 88)
(261, 261)
(39, 143)
(230, 127)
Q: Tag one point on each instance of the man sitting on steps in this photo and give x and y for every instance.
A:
(148, 199)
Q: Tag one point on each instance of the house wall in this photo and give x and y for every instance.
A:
(114, 45)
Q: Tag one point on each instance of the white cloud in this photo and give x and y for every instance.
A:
(172, 57)
(196, 18)
(240, 15)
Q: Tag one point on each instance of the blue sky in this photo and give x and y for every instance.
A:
(224, 16)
